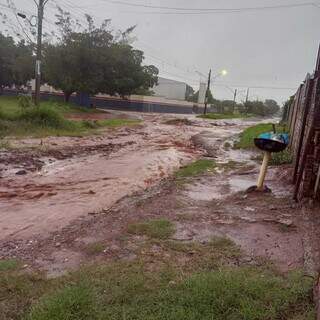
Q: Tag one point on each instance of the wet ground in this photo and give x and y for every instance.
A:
(60, 195)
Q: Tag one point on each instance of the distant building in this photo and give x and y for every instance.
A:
(170, 89)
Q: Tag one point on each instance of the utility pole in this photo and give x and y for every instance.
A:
(234, 99)
(41, 5)
(247, 99)
(207, 93)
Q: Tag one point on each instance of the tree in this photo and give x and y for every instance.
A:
(23, 68)
(16, 62)
(271, 107)
(189, 93)
(7, 53)
(95, 61)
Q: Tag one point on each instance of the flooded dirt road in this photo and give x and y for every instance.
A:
(59, 195)
(51, 182)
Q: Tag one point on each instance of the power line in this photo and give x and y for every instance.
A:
(185, 10)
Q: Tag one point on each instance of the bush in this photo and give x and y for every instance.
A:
(284, 157)
(25, 102)
(44, 116)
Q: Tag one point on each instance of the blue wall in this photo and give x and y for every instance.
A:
(118, 104)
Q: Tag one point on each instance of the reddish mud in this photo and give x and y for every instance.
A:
(101, 184)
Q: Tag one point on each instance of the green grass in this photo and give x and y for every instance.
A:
(113, 123)
(196, 168)
(49, 120)
(7, 265)
(244, 293)
(221, 116)
(247, 136)
(178, 281)
(72, 302)
(95, 248)
(279, 158)
(158, 229)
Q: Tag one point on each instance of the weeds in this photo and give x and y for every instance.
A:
(76, 302)
(245, 293)
(161, 287)
(18, 117)
(8, 265)
(221, 116)
(158, 229)
(95, 248)
(196, 168)
(277, 159)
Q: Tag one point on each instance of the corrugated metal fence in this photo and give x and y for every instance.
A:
(304, 125)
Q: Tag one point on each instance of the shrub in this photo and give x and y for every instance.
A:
(44, 116)
(284, 157)
(25, 102)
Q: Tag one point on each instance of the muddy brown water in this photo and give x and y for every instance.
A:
(49, 213)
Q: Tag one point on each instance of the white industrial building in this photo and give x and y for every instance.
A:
(170, 89)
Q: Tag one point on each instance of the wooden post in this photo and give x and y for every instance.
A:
(263, 170)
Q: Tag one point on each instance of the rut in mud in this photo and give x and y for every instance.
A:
(106, 182)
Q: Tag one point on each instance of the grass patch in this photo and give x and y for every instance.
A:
(221, 116)
(244, 293)
(9, 265)
(196, 168)
(277, 159)
(113, 123)
(75, 302)
(49, 120)
(247, 136)
(158, 286)
(158, 229)
(95, 248)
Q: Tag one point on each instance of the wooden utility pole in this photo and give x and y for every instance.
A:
(41, 5)
(207, 93)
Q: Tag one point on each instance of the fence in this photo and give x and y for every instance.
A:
(304, 126)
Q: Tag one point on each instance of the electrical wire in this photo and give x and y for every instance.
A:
(185, 10)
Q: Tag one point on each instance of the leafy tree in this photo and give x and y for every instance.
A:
(271, 106)
(23, 68)
(260, 108)
(16, 62)
(7, 52)
(94, 60)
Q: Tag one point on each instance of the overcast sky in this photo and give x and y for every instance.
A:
(259, 48)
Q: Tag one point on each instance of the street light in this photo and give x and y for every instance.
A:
(23, 16)
(224, 72)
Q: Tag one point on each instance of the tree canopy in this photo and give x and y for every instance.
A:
(16, 62)
(94, 60)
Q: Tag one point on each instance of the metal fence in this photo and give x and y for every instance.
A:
(304, 125)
